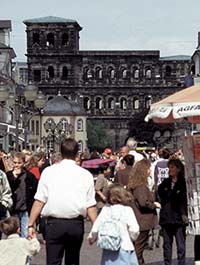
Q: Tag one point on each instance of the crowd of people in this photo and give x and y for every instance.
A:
(142, 192)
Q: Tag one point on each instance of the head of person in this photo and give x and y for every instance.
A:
(104, 168)
(131, 143)
(56, 157)
(107, 153)
(116, 194)
(18, 161)
(69, 149)
(10, 226)
(37, 160)
(164, 153)
(124, 151)
(176, 168)
(139, 174)
(128, 160)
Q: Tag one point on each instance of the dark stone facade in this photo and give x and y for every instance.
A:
(111, 85)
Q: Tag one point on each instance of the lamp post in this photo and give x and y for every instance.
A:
(23, 106)
(57, 131)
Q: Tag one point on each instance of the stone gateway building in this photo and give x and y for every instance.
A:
(112, 86)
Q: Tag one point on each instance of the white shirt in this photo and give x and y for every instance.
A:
(129, 224)
(15, 250)
(66, 189)
(136, 155)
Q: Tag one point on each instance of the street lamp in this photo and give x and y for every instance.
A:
(22, 109)
(56, 132)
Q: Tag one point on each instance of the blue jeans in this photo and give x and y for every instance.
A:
(120, 257)
(23, 219)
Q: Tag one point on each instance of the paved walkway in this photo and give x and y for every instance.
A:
(91, 255)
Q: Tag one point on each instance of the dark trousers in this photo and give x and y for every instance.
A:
(169, 231)
(140, 244)
(64, 236)
(196, 248)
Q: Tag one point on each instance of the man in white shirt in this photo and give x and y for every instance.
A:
(65, 195)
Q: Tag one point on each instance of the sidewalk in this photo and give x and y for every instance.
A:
(91, 255)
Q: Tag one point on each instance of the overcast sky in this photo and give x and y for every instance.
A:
(170, 26)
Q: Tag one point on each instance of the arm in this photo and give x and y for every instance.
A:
(133, 227)
(92, 213)
(35, 212)
(6, 195)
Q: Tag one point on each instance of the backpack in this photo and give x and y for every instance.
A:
(109, 234)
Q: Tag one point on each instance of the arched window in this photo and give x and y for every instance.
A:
(148, 73)
(36, 38)
(168, 71)
(79, 125)
(111, 103)
(148, 101)
(136, 73)
(123, 103)
(99, 73)
(86, 103)
(99, 103)
(80, 146)
(64, 73)
(50, 39)
(136, 103)
(111, 72)
(65, 39)
(50, 72)
(88, 73)
(124, 73)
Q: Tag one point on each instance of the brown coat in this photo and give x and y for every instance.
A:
(122, 176)
(144, 208)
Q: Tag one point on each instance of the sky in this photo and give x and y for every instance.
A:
(170, 26)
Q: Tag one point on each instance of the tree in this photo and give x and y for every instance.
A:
(97, 137)
(144, 131)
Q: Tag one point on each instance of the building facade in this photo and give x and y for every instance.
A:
(112, 86)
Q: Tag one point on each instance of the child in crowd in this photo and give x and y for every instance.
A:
(118, 207)
(14, 249)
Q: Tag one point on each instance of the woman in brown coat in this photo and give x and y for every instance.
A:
(144, 204)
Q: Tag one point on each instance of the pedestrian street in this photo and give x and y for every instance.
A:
(91, 255)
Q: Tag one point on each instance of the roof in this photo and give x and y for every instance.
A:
(176, 58)
(5, 24)
(61, 106)
(49, 19)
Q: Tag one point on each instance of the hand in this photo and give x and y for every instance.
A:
(157, 204)
(185, 219)
(31, 233)
(90, 240)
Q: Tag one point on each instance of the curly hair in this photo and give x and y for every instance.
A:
(139, 174)
(117, 194)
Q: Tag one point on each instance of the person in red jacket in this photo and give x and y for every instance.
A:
(35, 163)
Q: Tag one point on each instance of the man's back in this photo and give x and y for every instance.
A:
(68, 186)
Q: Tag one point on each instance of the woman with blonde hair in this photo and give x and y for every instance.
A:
(144, 204)
(35, 163)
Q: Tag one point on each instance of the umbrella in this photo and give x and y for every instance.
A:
(182, 104)
(94, 163)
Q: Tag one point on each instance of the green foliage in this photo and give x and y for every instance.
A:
(97, 137)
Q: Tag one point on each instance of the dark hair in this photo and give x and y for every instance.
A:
(69, 148)
(103, 167)
(9, 225)
(178, 164)
(164, 153)
(117, 194)
(129, 159)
